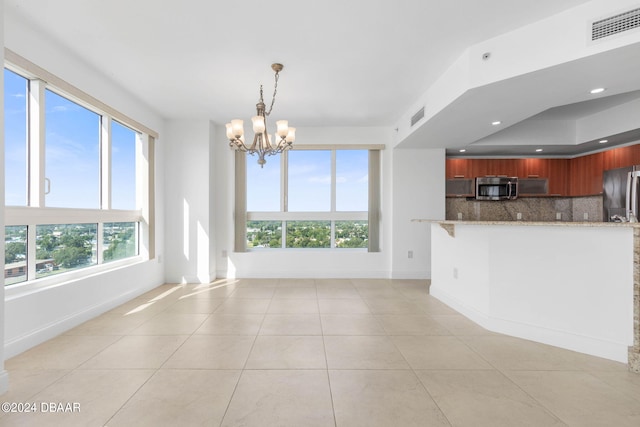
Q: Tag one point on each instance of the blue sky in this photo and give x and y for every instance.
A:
(15, 135)
(72, 152)
(310, 182)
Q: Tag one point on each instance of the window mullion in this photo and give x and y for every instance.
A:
(283, 239)
(284, 182)
(31, 252)
(333, 198)
(284, 190)
(36, 141)
(100, 243)
(333, 181)
(105, 162)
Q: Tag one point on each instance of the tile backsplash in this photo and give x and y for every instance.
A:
(526, 209)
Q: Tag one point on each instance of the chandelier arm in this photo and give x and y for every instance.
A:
(238, 145)
(283, 144)
(252, 148)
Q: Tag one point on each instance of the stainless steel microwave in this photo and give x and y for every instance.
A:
(496, 188)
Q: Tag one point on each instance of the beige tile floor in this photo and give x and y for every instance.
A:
(310, 353)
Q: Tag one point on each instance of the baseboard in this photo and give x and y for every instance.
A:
(4, 381)
(304, 274)
(555, 337)
(37, 336)
(416, 275)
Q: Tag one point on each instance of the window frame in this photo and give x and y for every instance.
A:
(372, 215)
(37, 213)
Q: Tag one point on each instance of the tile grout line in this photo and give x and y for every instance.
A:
(244, 366)
(156, 370)
(326, 362)
(417, 377)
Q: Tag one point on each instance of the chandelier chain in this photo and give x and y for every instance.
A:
(275, 90)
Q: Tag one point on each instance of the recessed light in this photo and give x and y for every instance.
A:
(597, 90)
(538, 150)
(496, 123)
(603, 141)
(462, 150)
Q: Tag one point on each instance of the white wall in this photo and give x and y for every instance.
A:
(418, 193)
(4, 378)
(35, 316)
(567, 286)
(188, 207)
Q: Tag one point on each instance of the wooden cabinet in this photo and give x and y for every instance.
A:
(586, 171)
(621, 157)
(458, 168)
(554, 169)
(580, 176)
(586, 175)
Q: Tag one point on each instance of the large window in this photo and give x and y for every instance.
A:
(315, 197)
(78, 180)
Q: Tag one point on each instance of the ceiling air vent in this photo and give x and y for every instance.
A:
(615, 24)
(417, 116)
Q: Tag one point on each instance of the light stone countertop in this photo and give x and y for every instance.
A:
(533, 223)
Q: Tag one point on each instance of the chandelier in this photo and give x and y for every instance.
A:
(263, 145)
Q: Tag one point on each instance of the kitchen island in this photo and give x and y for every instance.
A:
(574, 285)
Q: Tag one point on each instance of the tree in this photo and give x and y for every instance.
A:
(46, 245)
(119, 248)
(12, 250)
(71, 256)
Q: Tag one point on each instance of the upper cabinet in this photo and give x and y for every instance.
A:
(580, 176)
(556, 170)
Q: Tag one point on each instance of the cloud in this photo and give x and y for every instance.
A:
(364, 178)
(322, 179)
(300, 169)
(60, 109)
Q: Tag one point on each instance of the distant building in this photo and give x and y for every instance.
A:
(16, 269)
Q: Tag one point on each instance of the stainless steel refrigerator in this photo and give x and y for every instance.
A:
(620, 194)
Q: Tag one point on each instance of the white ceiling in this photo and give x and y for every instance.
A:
(347, 63)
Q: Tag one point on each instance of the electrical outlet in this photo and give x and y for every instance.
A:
(455, 272)
(224, 253)
(519, 215)
(410, 254)
(586, 216)
(558, 216)
(459, 216)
